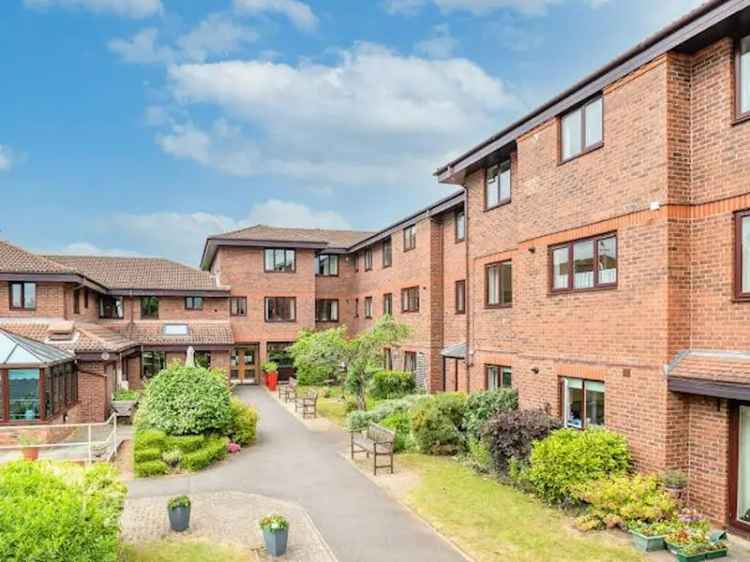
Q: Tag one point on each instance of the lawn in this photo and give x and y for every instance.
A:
(183, 551)
(332, 404)
(494, 522)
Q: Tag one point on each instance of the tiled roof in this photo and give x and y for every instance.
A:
(87, 337)
(138, 273)
(723, 366)
(199, 333)
(335, 238)
(16, 349)
(16, 260)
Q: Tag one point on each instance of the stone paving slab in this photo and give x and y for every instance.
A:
(229, 518)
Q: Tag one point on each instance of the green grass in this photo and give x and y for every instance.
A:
(182, 551)
(495, 522)
(333, 407)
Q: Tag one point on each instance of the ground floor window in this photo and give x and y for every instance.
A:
(497, 377)
(583, 403)
(277, 352)
(203, 359)
(152, 362)
(410, 361)
(387, 359)
(35, 394)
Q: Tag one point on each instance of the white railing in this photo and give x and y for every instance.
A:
(78, 442)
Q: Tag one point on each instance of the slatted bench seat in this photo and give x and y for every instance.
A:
(307, 404)
(288, 390)
(376, 441)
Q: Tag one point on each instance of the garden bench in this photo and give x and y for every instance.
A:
(376, 441)
(307, 404)
(288, 391)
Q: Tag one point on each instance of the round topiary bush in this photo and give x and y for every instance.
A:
(437, 424)
(59, 513)
(184, 400)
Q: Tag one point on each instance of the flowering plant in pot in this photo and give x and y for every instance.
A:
(271, 368)
(29, 448)
(675, 482)
(648, 537)
(179, 513)
(275, 533)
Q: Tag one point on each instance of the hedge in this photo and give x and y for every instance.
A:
(481, 406)
(391, 384)
(151, 468)
(214, 450)
(243, 423)
(437, 424)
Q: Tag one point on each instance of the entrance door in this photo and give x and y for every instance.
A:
(243, 364)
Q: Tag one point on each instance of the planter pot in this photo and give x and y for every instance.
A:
(720, 553)
(694, 558)
(673, 548)
(124, 407)
(647, 544)
(677, 494)
(30, 453)
(179, 518)
(276, 541)
(272, 380)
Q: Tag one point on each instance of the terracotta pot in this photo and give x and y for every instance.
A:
(30, 453)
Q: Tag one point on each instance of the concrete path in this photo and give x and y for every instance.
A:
(289, 462)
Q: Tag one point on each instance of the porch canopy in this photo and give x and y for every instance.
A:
(37, 380)
(457, 351)
(714, 373)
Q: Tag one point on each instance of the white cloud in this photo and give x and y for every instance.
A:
(216, 35)
(440, 45)
(89, 249)
(7, 158)
(299, 13)
(530, 7)
(404, 7)
(126, 8)
(375, 117)
(284, 213)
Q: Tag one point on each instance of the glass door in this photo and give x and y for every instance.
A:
(743, 466)
(243, 365)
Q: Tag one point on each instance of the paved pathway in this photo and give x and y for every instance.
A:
(355, 516)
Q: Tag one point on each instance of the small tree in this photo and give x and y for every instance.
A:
(318, 356)
(365, 354)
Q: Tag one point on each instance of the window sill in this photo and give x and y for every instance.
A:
(460, 313)
(459, 240)
(287, 272)
(553, 292)
(740, 119)
(281, 321)
(409, 311)
(589, 150)
(409, 249)
(497, 306)
(500, 204)
(21, 309)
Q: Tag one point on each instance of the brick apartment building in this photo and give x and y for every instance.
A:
(597, 258)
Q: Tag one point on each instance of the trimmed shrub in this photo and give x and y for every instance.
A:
(149, 438)
(437, 424)
(147, 454)
(400, 422)
(185, 443)
(391, 384)
(151, 468)
(172, 458)
(623, 500)
(479, 457)
(214, 450)
(568, 458)
(481, 406)
(243, 423)
(59, 512)
(509, 435)
(358, 420)
(183, 400)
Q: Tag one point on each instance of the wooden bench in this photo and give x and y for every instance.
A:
(307, 404)
(288, 391)
(376, 441)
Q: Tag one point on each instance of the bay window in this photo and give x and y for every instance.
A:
(499, 285)
(584, 264)
(582, 403)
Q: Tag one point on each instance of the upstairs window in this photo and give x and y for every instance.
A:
(326, 310)
(356, 308)
(23, 296)
(388, 304)
(497, 185)
(742, 255)
(356, 262)
(581, 129)
(743, 77)
(327, 266)
(410, 299)
(368, 259)
(368, 307)
(585, 264)
(582, 403)
(460, 297)
(387, 252)
(410, 238)
(499, 285)
(278, 260)
(238, 306)
(111, 307)
(497, 377)
(193, 303)
(149, 307)
(460, 226)
(76, 301)
(281, 309)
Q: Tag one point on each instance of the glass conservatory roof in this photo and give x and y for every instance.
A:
(18, 350)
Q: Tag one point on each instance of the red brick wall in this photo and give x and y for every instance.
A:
(96, 382)
(50, 302)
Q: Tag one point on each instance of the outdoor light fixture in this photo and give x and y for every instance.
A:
(535, 370)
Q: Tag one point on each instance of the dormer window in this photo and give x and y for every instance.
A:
(175, 330)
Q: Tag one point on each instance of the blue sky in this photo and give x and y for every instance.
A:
(141, 126)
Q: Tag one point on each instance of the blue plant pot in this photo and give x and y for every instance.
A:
(179, 518)
(276, 541)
